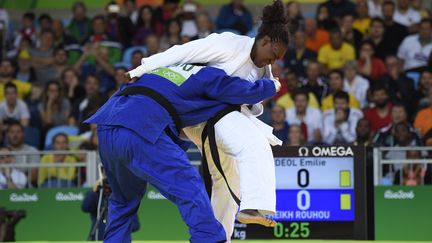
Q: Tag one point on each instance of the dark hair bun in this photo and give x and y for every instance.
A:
(275, 13)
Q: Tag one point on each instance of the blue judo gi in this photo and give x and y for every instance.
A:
(135, 147)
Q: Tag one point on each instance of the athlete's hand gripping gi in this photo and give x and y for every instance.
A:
(138, 141)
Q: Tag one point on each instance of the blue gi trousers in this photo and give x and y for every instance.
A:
(131, 161)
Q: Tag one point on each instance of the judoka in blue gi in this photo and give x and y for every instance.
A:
(138, 131)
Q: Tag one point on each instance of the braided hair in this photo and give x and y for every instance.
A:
(275, 23)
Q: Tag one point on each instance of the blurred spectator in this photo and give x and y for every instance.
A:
(42, 57)
(119, 73)
(407, 16)
(375, 8)
(355, 84)
(385, 136)
(298, 57)
(381, 46)
(315, 37)
(295, 16)
(420, 97)
(423, 120)
(27, 30)
(119, 28)
(363, 133)
(87, 105)
(380, 115)
(60, 37)
(131, 10)
(324, 19)
(25, 70)
(15, 141)
(98, 30)
(415, 49)
(336, 53)
(204, 24)
(10, 178)
(45, 22)
(172, 35)
(58, 176)
(336, 84)
(370, 66)
(362, 20)
(13, 109)
(71, 84)
(54, 108)
(80, 26)
(60, 57)
(235, 16)
(295, 136)
(313, 82)
(279, 124)
(339, 124)
(337, 8)
(136, 59)
(169, 10)
(394, 32)
(189, 27)
(309, 119)
(398, 85)
(146, 25)
(152, 44)
(418, 5)
(286, 100)
(350, 34)
(102, 68)
(413, 174)
(7, 72)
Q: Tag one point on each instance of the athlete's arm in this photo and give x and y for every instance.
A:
(214, 48)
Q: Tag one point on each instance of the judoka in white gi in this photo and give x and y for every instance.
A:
(243, 141)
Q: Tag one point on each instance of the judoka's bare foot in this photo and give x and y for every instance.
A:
(251, 216)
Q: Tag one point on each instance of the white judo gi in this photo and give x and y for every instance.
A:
(243, 141)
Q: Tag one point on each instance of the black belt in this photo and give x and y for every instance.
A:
(160, 99)
(209, 131)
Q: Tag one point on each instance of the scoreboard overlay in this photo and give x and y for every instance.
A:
(321, 193)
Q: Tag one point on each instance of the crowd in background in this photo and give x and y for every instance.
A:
(356, 72)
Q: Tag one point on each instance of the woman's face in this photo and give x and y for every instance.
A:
(426, 80)
(268, 52)
(366, 50)
(69, 77)
(174, 28)
(61, 143)
(294, 135)
(146, 15)
(323, 13)
(53, 90)
(350, 73)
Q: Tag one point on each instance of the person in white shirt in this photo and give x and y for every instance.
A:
(340, 123)
(242, 139)
(407, 16)
(10, 178)
(415, 49)
(375, 8)
(13, 108)
(309, 119)
(355, 84)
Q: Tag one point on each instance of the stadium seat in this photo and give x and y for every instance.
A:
(32, 136)
(127, 54)
(69, 130)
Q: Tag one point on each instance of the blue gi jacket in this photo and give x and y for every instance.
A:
(196, 92)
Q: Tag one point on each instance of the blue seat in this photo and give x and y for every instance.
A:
(32, 136)
(69, 130)
(127, 54)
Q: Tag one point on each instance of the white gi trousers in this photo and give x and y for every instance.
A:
(248, 164)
